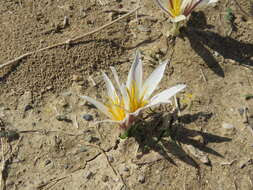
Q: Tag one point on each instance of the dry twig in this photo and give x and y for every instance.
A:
(203, 75)
(69, 41)
(50, 181)
(76, 122)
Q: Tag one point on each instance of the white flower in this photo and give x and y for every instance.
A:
(179, 10)
(126, 103)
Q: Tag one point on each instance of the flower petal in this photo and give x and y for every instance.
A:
(135, 73)
(116, 77)
(205, 3)
(110, 88)
(161, 98)
(165, 95)
(153, 80)
(99, 105)
(187, 6)
(178, 18)
(122, 87)
(125, 97)
(108, 121)
(164, 5)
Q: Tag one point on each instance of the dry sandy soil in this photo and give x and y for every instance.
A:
(47, 144)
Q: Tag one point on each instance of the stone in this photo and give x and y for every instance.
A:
(228, 129)
(202, 156)
(245, 162)
(49, 87)
(83, 149)
(110, 159)
(77, 78)
(105, 178)
(87, 117)
(143, 28)
(141, 179)
(65, 22)
(62, 102)
(83, 13)
(25, 102)
(241, 111)
(28, 107)
(216, 54)
(47, 162)
(63, 118)
(88, 175)
(89, 138)
(199, 139)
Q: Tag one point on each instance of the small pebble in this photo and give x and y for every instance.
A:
(111, 16)
(216, 54)
(90, 22)
(110, 159)
(105, 178)
(155, 139)
(89, 139)
(28, 107)
(77, 78)
(227, 126)
(143, 28)
(228, 129)
(49, 87)
(65, 22)
(245, 162)
(63, 118)
(88, 175)
(125, 169)
(87, 117)
(241, 111)
(62, 102)
(141, 179)
(47, 162)
(83, 149)
(67, 94)
(83, 13)
(199, 138)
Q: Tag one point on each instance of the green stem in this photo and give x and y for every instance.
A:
(175, 30)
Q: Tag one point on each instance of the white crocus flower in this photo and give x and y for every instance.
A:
(124, 105)
(179, 10)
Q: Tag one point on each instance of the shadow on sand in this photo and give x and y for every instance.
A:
(229, 48)
(165, 134)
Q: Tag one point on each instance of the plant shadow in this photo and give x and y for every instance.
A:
(164, 133)
(200, 38)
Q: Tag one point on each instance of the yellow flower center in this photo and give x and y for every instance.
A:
(117, 107)
(134, 101)
(174, 9)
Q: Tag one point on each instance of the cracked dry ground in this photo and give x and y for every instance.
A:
(40, 98)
